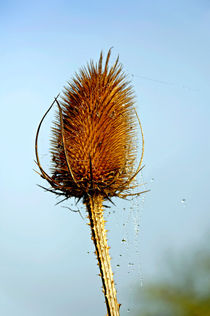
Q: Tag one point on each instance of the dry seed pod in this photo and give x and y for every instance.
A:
(93, 150)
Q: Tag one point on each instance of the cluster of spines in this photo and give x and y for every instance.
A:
(99, 125)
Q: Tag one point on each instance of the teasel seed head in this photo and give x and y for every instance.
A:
(93, 144)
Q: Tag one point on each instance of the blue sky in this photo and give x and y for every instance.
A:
(164, 47)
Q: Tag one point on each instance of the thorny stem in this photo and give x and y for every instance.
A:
(95, 214)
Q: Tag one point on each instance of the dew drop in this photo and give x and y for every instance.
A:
(141, 282)
(123, 240)
(128, 310)
(152, 180)
(183, 201)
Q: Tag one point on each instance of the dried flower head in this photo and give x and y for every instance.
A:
(93, 149)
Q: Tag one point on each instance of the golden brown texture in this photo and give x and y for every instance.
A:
(98, 131)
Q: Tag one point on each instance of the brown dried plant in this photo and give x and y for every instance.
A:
(94, 151)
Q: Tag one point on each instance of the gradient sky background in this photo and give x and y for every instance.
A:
(165, 47)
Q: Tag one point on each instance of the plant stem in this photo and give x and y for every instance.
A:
(95, 213)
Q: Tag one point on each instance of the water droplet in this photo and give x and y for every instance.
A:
(118, 265)
(130, 264)
(152, 180)
(183, 201)
(141, 282)
(128, 310)
(123, 240)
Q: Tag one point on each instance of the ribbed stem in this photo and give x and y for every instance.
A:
(95, 213)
